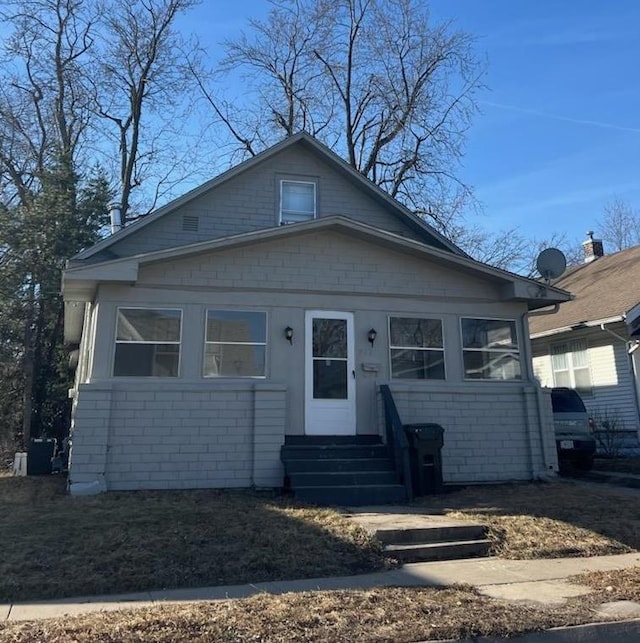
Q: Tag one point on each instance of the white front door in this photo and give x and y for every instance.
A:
(330, 387)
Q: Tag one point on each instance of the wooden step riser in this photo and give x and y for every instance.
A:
(430, 534)
(332, 479)
(440, 551)
(333, 452)
(327, 440)
(318, 466)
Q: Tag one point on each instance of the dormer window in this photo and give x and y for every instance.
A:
(297, 201)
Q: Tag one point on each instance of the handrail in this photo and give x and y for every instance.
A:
(396, 439)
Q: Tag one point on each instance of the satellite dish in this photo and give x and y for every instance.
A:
(551, 263)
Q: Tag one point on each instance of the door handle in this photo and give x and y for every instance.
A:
(354, 374)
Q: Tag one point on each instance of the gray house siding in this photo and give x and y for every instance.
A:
(190, 431)
(250, 201)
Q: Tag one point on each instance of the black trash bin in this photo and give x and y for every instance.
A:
(425, 442)
(39, 455)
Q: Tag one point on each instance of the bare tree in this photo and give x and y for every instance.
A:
(376, 81)
(619, 225)
(141, 85)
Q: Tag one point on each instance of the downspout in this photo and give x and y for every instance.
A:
(528, 358)
(630, 351)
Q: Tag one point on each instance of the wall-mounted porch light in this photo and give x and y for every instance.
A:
(288, 334)
(371, 336)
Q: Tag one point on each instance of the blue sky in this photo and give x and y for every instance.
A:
(558, 135)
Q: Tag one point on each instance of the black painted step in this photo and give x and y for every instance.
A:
(338, 465)
(333, 452)
(352, 495)
(341, 478)
(319, 440)
(423, 552)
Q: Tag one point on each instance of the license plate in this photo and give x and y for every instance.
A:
(566, 444)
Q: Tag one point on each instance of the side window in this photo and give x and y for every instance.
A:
(490, 349)
(416, 348)
(297, 201)
(235, 344)
(570, 365)
(147, 342)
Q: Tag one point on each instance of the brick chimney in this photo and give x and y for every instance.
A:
(592, 248)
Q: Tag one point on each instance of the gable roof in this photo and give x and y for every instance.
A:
(418, 225)
(604, 290)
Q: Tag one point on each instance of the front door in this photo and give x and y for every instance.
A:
(330, 390)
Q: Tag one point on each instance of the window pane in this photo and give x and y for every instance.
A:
(329, 379)
(148, 325)
(562, 378)
(489, 333)
(233, 360)
(491, 365)
(298, 198)
(579, 354)
(407, 331)
(558, 357)
(582, 378)
(146, 360)
(414, 364)
(236, 326)
(330, 338)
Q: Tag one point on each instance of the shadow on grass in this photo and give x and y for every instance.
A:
(548, 520)
(55, 545)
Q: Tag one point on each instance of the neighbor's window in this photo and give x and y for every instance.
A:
(570, 365)
(297, 201)
(147, 342)
(416, 347)
(490, 349)
(235, 344)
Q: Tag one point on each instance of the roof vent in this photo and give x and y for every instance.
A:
(190, 223)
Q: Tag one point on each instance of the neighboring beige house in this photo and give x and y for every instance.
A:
(591, 343)
(266, 307)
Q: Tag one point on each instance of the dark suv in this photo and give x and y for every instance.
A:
(576, 446)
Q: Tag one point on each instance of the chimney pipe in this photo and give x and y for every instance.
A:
(592, 248)
(116, 217)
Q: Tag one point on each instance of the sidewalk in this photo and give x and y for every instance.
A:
(506, 579)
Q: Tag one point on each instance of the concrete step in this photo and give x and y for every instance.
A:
(323, 440)
(355, 496)
(338, 465)
(430, 535)
(341, 478)
(424, 552)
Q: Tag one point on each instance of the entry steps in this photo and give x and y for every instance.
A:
(341, 470)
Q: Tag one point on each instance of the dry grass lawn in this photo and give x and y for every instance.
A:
(619, 465)
(392, 615)
(548, 520)
(55, 545)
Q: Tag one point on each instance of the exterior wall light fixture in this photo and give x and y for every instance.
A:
(288, 334)
(371, 336)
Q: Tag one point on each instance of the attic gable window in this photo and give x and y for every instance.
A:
(297, 201)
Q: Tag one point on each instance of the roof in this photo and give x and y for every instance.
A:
(79, 282)
(604, 290)
(424, 230)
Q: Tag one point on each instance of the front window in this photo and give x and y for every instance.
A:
(297, 201)
(147, 342)
(490, 349)
(416, 347)
(570, 365)
(235, 344)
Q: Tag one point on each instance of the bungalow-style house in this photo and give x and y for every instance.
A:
(262, 311)
(590, 344)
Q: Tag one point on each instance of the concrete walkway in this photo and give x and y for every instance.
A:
(519, 580)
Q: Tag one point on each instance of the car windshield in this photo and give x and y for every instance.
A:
(566, 400)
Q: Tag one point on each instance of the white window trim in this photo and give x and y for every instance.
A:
(265, 344)
(315, 199)
(117, 341)
(494, 350)
(570, 366)
(443, 350)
